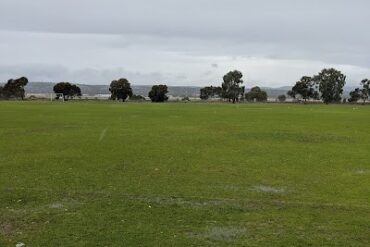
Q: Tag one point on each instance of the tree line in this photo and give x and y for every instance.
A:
(232, 90)
(120, 90)
(327, 86)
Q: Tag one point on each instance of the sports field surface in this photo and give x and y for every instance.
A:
(176, 174)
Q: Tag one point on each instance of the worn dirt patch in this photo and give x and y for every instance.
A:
(7, 228)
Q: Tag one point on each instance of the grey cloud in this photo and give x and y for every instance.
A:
(49, 73)
(265, 20)
(177, 40)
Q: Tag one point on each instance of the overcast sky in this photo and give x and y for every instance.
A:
(183, 42)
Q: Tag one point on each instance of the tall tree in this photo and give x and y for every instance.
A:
(231, 87)
(331, 83)
(120, 89)
(361, 93)
(365, 91)
(14, 88)
(292, 94)
(305, 88)
(256, 94)
(158, 93)
(67, 89)
(355, 95)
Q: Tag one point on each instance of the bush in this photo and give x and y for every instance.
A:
(158, 93)
(137, 98)
(281, 98)
(256, 94)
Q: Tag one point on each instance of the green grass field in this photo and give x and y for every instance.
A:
(113, 174)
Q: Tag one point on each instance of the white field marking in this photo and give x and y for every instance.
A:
(20, 245)
(102, 134)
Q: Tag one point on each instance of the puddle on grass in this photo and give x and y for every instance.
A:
(268, 189)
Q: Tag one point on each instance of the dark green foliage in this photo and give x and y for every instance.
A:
(361, 94)
(76, 91)
(14, 89)
(331, 83)
(305, 88)
(231, 87)
(256, 94)
(135, 97)
(365, 91)
(120, 89)
(291, 94)
(281, 98)
(158, 93)
(210, 92)
(355, 95)
(67, 89)
(185, 99)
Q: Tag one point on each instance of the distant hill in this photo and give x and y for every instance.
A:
(45, 87)
(176, 91)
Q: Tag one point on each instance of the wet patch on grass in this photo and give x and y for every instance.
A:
(185, 202)
(361, 171)
(220, 234)
(56, 205)
(296, 137)
(268, 189)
